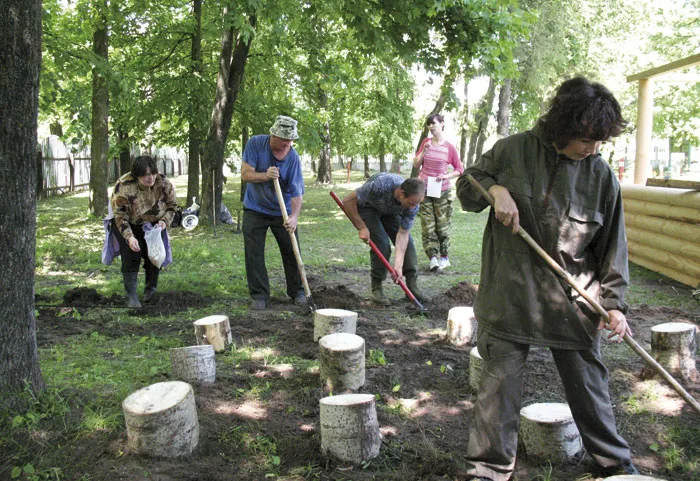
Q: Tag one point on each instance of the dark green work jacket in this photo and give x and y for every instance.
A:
(573, 210)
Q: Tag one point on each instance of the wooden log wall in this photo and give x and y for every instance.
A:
(663, 230)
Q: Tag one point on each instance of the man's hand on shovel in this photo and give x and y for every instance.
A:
(618, 325)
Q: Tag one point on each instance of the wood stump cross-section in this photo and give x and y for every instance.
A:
(214, 330)
(342, 362)
(548, 431)
(333, 321)
(196, 364)
(461, 326)
(673, 345)
(349, 427)
(161, 420)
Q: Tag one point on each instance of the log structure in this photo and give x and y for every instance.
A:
(475, 365)
(547, 430)
(461, 326)
(333, 321)
(194, 364)
(663, 230)
(214, 330)
(342, 362)
(673, 345)
(161, 420)
(349, 427)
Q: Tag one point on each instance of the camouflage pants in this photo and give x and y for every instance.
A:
(435, 216)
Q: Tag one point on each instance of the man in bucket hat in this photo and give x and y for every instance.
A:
(268, 157)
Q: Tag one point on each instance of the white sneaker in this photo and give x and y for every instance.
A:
(434, 264)
(443, 263)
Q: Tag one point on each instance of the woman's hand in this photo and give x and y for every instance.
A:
(505, 208)
(134, 244)
(618, 325)
(162, 224)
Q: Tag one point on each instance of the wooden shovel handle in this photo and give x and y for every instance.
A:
(603, 313)
(295, 244)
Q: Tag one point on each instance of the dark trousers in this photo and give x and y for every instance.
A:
(131, 261)
(493, 438)
(255, 226)
(383, 230)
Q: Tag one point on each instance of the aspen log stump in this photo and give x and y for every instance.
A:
(632, 477)
(475, 366)
(161, 420)
(333, 321)
(342, 362)
(349, 427)
(194, 364)
(673, 345)
(214, 330)
(548, 431)
(461, 326)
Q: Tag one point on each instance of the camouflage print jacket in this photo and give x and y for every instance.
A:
(134, 204)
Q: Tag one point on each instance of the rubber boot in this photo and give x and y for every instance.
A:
(151, 285)
(130, 280)
(378, 296)
(412, 284)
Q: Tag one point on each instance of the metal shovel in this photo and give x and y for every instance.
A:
(295, 246)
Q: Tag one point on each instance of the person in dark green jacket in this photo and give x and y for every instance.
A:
(552, 182)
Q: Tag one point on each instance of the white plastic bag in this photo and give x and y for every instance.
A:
(156, 249)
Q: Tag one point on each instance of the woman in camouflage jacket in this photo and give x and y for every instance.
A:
(140, 196)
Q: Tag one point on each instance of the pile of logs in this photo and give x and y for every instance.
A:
(663, 228)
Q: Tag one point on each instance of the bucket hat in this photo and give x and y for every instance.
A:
(284, 128)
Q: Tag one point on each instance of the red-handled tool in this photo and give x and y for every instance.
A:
(381, 257)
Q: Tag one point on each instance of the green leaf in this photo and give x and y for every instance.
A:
(17, 421)
(396, 388)
(16, 472)
(29, 469)
(654, 447)
(276, 460)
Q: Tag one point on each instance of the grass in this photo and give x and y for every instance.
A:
(88, 374)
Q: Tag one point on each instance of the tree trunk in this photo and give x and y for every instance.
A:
(503, 116)
(20, 63)
(366, 158)
(232, 62)
(99, 150)
(464, 124)
(325, 175)
(194, 135)
(439, 105)
(481, 120)
(382, 162)
(124, 151)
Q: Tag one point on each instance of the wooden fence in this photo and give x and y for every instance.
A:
(663, 230)
(62, 170)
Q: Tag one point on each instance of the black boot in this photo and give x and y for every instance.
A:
(151, 284)
(130, 280)
(378, 296)
(412, 284)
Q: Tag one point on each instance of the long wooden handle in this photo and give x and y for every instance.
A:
(295, 245)
(604, 314)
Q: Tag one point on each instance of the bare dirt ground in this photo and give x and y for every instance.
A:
(425, 422)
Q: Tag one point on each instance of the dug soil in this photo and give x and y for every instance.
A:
(421, 383)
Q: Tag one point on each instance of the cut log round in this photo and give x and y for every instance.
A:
(475, 365)
(342, 362)
(333, 321)
(194, 363)
(673, 345)
(349, 427)
(461, 326)
(214, 330)
(693, 282)
(663, 242)
(662, 195)
(632, 477)
(671, 257)
(161, 420)
(547, 430)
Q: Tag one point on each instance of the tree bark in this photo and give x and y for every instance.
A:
(481, 120)
(503, 116)
(124, 151)
(366, 159)
(325, 175)
(20, 63)
(232, 62)
(194, 135)
(245, 135)
(100, 115)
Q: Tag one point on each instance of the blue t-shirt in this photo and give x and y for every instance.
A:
(261, 196)
(378, 193)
